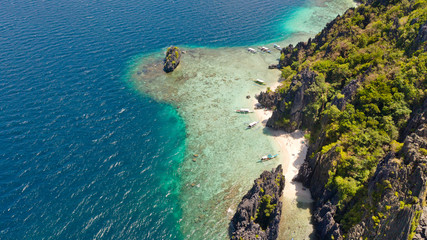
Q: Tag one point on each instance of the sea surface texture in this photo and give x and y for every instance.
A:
(86, 152)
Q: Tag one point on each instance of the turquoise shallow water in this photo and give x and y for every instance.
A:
(83, 154)
(206, 88)
(209, 85)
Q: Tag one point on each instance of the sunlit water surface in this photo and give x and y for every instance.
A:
(85, 150)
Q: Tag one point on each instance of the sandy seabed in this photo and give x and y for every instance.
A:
(206, 89)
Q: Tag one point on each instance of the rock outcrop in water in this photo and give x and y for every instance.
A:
(172, 59)
(258, 214)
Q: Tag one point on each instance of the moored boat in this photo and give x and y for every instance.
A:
(251, 50)
(268, 157)
(259, 81)
(264, 49)
(252, 124)
(244, 110)
(277, 47)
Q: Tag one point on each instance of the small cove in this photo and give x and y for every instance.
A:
(205, 89)
(85, 155)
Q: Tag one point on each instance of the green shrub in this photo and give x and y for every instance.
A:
(395, 146)
(347, 187)
(264, 211)
(376, 220)
(287, 72)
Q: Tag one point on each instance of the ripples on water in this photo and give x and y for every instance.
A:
(82, 155)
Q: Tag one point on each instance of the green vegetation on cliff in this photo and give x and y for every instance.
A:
(379, 49)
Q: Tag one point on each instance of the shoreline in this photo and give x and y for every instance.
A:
(211, 188)
(292, 152)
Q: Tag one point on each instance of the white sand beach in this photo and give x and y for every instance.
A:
(296, 199)
(293, 149)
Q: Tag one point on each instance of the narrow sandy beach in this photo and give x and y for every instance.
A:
(292, 149)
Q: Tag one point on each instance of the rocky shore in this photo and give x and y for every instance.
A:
(258, 214)
(361, 190)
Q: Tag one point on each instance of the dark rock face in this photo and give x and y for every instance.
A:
(396, 191)
(422, 34)
(402, 185)
(314, 174)
(392, 203)
(418, 119)
(348, 92)
(326, 225)
(273, 66)
(290, 53)
(172, 59)
(421, 39)
(258, 214)
(320, 164)
(267, 99)
(421, 231)
(298, 98)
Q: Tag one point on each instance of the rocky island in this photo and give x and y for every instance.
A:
(258, 214)
(359, 89)
(172, 59)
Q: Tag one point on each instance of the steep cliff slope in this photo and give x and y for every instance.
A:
(359, 89)
(258, 214)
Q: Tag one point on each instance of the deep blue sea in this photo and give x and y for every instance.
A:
(83, 155)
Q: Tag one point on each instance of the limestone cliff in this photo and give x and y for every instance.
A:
(258, 214)
(397, 191)
(359, 88)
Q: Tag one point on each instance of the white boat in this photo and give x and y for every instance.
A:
(252, 124)
(244, 110)
(264, 49)
(259, 81)
(277, 47)
(268, 157)
(251, 50)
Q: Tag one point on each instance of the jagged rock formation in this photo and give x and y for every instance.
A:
(290, 54)
(420, 40)
(258, 214)
(366, 164)
(421, 231)
(267, 99)
(172, 59)
(422, 37)
(291, 104)
(397, 191)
